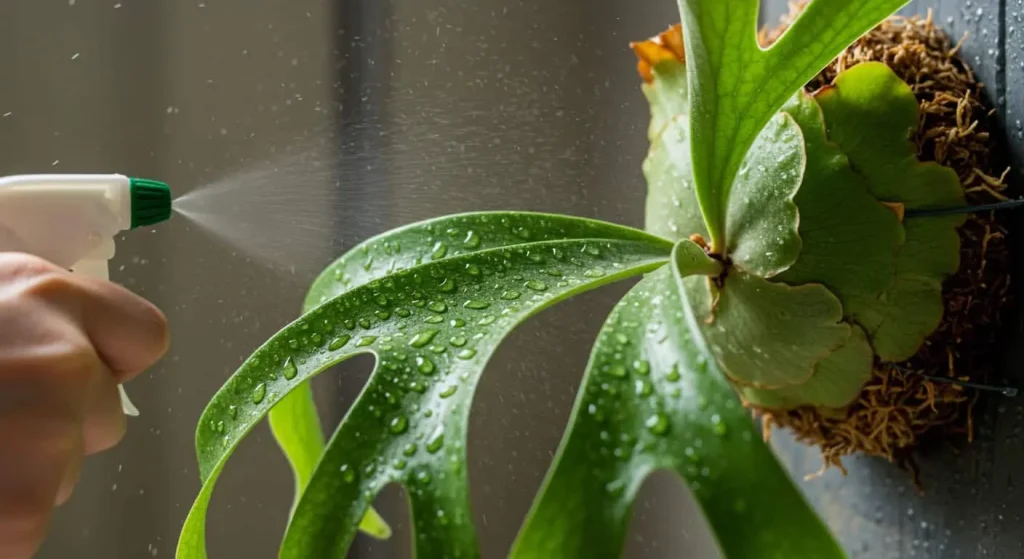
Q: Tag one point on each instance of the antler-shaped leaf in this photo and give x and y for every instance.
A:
(653, 398)
(432, 328)
(735, 86)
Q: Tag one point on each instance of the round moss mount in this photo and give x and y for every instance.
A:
(850, 311)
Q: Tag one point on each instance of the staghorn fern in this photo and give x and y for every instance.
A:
(811, 270)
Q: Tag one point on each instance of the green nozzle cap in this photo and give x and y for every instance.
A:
(151, 202)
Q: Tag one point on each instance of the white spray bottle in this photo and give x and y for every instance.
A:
(71, 220)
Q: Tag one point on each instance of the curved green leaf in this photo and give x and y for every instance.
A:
(762, 217)
(436, 239)
(294, 421)
(850, 239)
(672, 211)
(652, 399)
(837, 380)
(432, 328)
(762, 223)
(767, 334)
(735, 86)
(296, 428)
(688, 256)
(870, 114)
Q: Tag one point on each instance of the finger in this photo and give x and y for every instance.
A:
(104, 421)
(129, 333)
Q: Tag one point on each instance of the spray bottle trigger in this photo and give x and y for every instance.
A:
(99, 269)
(126, 404)
(97, 265)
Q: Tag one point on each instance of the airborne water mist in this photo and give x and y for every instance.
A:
(278, 214)
(301, 210)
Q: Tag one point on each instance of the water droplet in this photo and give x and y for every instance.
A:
(510, 295)
(233, 411)
(717, 425)
(467, 353)
(437, 306)
(404, 313)
(436, 441)
(348, 474)
(434, 319)
(289, 370)
(423, 338)
(294, 344)
(457, 322)
(417, 387)
(440, 250)
(399, 464)
(487, 320)
(472, 269)
(409, 449)
(476, 304)
(425, 366)
(593, 273)
(617, 370)
(364, 323)
(365, 341)
(349, 324)
(537, 285)
(657, 424)
(458, 341)
(643, 387)
(381, 300)
(447, 285)
(673, 374)
(259, 393)
(472, 240)
(615, 487)
(382, 315)
(438, 348)
(399, 424)
(448, 392)
(423, 477)
(642, 366)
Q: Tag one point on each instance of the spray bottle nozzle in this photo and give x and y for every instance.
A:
(151, 202)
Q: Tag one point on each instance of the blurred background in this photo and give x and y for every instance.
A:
(337, 120)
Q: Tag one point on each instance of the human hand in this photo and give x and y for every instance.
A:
(66, 342)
